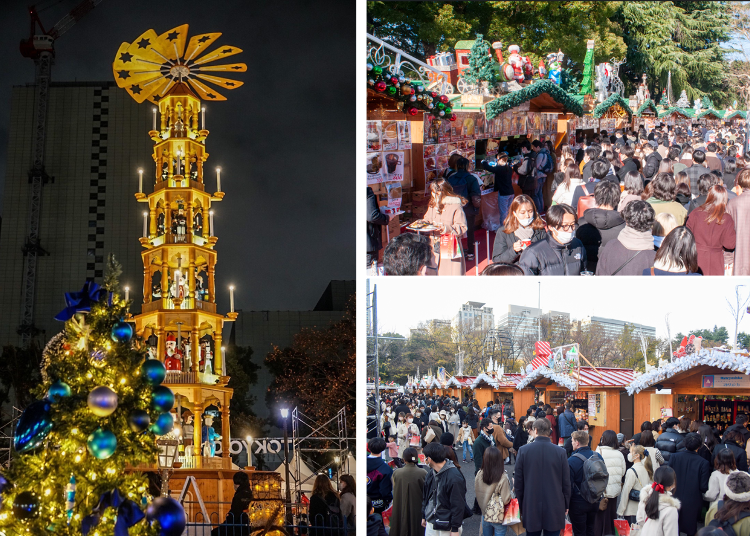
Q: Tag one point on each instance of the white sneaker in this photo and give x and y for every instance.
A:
(507, 460)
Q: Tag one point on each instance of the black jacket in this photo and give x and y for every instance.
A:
(670, 442)
(375, 219)
(741, 429)
(740, 456)
(600, 227)
(502, 250)
(627, 165)
(697, 202)
(691, 475)
(464, 184)
(527, 174)
(586, 171)
(503, 177)
(542, 485)
(327, 522)
(651, 166)
(449, 488)
(576, 470)
(375, 526)
(549, 257)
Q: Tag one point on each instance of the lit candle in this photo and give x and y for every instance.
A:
(218, 179)
(154, 122)
(145, 225)
(231, 298)
(127, 293)
(210, 223)
(203, 117)
(140, 180)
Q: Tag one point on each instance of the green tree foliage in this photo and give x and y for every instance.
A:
(717, 336)
(244, 375)
(743, 340)
(19, 374)
(685, 38)
(482, 67)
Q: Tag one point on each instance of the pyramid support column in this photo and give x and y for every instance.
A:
(164, 280)
(195, 348)
(197, 429)
(161, 347)
(219, 359)
(225, 431)
(211, 290)
(152, 222)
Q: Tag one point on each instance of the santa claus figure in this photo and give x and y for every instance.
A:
(516, 61)
(173, 359)
(528, 68)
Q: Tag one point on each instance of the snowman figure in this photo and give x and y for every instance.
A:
(516, 61)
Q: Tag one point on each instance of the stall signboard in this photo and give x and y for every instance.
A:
(724, 381)
(389, 135)
(488, 182)
(394, 165)
(375, 170)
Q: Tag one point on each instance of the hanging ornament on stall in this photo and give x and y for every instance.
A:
(409, 94)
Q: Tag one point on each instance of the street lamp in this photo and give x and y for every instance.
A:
(249, 440)
(285, 416)
(167, 454)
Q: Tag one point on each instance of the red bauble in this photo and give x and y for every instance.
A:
(433, 94)
(394, 80)
(380, 86)
(453, 117)
(444, 99)
(413, 111)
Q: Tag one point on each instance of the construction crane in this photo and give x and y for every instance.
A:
(40, 47)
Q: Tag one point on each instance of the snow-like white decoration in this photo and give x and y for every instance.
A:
(545, 372)
(712, 357)
(453, 382)
(486, 379)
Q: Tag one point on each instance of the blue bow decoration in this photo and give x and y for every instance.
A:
(81, 302)
(128, 513)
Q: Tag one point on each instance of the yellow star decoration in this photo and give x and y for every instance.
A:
(149, 66)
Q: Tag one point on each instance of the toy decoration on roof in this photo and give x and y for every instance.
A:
(152, 64)
(554, 60)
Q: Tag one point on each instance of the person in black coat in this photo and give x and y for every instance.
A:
(237, 522)
(503, 182)
(522, 218)
(691, 475)
(652, 161)
(561, 253)
(582, 513)
(542, 482)
(671, 440)
(740, 425)
(466, 185)
(444, 494)
(628, 164)
(602, 224)
(375, 220)
(483, 440)
(325, 509)
(732, 440)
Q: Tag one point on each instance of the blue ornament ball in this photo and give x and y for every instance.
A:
(139, 420)
(170, 515)
(163, 424)
(58, 390)
(122, 332)
(162, 398)
(33, 426)
(26, 505)
(102, 401)
(153, 371)
(102, 444)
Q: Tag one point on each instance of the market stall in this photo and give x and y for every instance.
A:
(459, 386)
(494, 387)
(675, 116)
(711, 385)
(711, 118)
(736, 119)
(614, 113)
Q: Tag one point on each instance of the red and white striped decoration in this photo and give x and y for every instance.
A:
(543, 351)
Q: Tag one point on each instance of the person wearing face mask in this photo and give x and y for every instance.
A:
(639, 476)
(466, 440)
(446, 212)
(561, 253)
(454, 423)
(521, 228)
(658, 510)
(435, 426)
(443, 498)
(420, 417)
(443, 421)
(483, 440)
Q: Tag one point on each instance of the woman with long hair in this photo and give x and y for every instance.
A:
(677, 255)
(446, 212)
(663, 197)
(639, 476)
(490, 481)
(708, 442)
(564, 192)
(604, 522)
(683, 193)
(348, 499)
(648, 442)
(521, 228)
(724, 465)
(713, 230)
(733, 511)
(408, 484)
(730, 172)
(325, 508)
(658, 510)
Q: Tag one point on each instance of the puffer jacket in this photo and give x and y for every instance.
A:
(667, 524)
(615, 467)
(549, 257)
(669, 442)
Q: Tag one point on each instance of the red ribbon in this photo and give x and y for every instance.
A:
(658, 487)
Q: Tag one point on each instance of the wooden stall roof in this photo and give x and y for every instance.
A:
(688, 365)
(718, 114)
(648, 104)
(613, 99)
(686, 112)
(610, 377)
(730, 115)
(460, 381)
(506, 380)
(543, 96)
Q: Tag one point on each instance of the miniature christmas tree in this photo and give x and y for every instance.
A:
(683, 102)
(706, 103)
(482, 68)
(98, 410)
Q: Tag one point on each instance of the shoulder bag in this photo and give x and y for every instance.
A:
(635, 494)
(626, 262)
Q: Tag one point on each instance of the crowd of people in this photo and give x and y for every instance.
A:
(665, 202)
(667, 479)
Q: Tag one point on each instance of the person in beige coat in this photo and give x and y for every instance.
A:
(492, 480)
(447, 214)
(604, 522)
(639, 476)
(466, 440)
(404, 433)
(658, 510)
(724, 466)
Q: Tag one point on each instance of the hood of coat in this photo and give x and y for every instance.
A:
(448, 465)
(665, 499)
(451, 200)
(602, 218)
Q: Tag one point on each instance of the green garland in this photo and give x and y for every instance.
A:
(648, 104)
(682, 111)
(740, 112)
(402, 91)
(587, 85)
(710, 111)
(516, 98)
(613, 99)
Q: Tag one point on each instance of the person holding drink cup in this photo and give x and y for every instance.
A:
(521, 228)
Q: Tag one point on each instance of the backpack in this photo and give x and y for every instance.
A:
(585, 202)
(547, 166)
(726, 526)
(595, 478)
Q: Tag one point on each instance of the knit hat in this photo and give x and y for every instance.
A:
(447, 439)
(738, 486)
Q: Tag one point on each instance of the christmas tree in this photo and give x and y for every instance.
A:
(706, 103)
(96, 415)
(482, 68)
(683, 102)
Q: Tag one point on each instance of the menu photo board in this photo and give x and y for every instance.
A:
(375, 171)
(404, 135)
(431, 129)
(389, 135)
(373, 136)
(488, 182)
(394, 194)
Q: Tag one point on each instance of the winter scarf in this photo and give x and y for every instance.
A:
(636, 240)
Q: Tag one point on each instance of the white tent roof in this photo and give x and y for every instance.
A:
(304, 473)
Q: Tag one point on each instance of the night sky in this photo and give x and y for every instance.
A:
(284, 140)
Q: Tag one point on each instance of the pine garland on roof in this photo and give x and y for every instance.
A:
(648, 104)
(687, 112)
(711, 112)
(737, 112)
(613, 99)
(540, 87)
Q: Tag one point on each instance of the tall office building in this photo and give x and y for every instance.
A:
(474, 316)
(97, 138)
(613, 328)
(523, 322)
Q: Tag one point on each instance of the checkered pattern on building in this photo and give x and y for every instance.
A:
(98, 185)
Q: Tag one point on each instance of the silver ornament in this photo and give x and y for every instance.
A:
(441, 113)
(371, 82)
(420, 89)
(402, 79)
(369, 66)
(413, 98)
(430, 106)
(102, 401)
